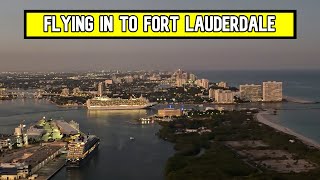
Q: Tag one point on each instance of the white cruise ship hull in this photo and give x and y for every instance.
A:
(124, 107)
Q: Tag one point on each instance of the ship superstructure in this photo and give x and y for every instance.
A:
(118, 103)
(80, 148)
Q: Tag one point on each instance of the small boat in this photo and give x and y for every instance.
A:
(131, 138)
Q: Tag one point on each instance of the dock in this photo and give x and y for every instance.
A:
(53, 167)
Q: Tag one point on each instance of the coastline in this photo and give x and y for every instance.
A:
(261, 117)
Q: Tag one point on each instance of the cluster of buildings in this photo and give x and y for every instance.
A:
(270, 91)
(183, 78)
(24, 163)
(65, 92)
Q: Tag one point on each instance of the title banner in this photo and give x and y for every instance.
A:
(160, 24)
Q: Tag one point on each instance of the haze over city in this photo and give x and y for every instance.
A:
(18, 54)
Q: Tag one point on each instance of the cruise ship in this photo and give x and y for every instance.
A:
(118, 103)
(80, 149)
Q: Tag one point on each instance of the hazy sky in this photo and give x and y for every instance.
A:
(17, 54)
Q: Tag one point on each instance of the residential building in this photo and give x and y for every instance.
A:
(192, 77)
(251, 92)
(224, 96)
(222, 84)
(180, 82)
(272, 91)
(211, 93)
(202, 83)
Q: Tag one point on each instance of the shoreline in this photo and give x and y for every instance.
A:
(260, 117)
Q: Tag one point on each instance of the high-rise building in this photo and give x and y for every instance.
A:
(178, 74)
(192, 77)
(184, 75)
(100, 89)
(222, 84)
(180, 82)
(211, 93)
(272, 91)
(223, 96)
(202, 83)
(251, 92)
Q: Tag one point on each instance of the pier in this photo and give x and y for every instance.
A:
(53, 167)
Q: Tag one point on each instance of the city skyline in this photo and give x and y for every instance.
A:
(18, 54)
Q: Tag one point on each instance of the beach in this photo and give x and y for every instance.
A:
(262, 118)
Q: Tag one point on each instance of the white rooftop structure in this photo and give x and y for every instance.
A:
(66, 128)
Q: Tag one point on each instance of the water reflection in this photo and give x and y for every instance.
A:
(110, 113)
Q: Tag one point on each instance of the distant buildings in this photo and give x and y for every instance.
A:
(222, 84)
(192, 77)
(180, 82)
(108, 82)
(211, 93)
(272, 91)
(251, 92)
(224, 96)
(128, 79)
(65, 92)
(76, 91)
(202, 83)
(100, 89)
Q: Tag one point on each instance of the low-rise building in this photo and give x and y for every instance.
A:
(14, 171)
(168, 112)
(66, 128)
(4, 142)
